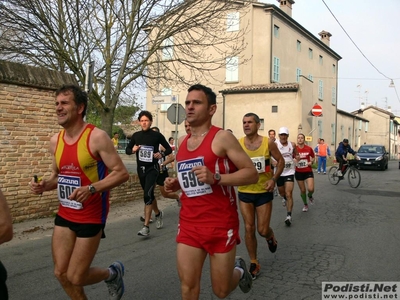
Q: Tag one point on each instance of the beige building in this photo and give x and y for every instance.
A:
(281, 74)
(383, 128)
(352, 127)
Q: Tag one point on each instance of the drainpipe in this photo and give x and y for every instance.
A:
(223, 111)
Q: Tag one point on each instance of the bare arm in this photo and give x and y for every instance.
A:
(6, 227)
(280, 162)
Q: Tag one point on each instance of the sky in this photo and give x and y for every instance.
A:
(374, 26)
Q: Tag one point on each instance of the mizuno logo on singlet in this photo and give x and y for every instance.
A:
(185, 166)
(68, 181)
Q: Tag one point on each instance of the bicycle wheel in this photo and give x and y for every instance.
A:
(354, 177)
(332, 175)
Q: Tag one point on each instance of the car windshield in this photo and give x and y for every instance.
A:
(370, 149)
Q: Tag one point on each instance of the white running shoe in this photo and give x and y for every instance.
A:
(145, 231)
(288, 220)
(339, 173)
(116, 286)
(305, 208)
(283, 202)
(159, 220)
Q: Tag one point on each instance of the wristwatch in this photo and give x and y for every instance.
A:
(216, 177)
(92, 189)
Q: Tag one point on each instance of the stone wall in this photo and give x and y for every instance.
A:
(27, 121)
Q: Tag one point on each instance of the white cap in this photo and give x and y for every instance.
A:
(283, 130)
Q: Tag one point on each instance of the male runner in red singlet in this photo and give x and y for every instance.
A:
(83, 155)
(210, 162)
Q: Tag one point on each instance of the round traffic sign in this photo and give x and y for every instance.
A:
(316, 110)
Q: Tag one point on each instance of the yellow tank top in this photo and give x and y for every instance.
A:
(261, 160)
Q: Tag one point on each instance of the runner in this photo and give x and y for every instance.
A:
(286, 180)
(210, 162)
(304, 174)
(256, 199)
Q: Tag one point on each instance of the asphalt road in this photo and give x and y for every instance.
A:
(348, 235)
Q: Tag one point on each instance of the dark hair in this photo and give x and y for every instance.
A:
(171, 138)
(256, 118)
(211, 97)
(321, 139)
(115, 133)
(271, 130)
(80, 96)
(147, 114)
(302, 135)
(345, 141)
(155, 128)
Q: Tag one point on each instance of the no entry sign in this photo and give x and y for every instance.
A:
(316, 110)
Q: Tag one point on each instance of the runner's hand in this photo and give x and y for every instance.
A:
(171, 184)
(203, 174)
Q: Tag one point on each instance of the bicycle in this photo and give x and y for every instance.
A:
(354, 176)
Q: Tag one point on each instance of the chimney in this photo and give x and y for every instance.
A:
(362, 105)
(389, 109)
(325, 37)
(286, 6)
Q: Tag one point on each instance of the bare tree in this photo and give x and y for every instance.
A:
(124, 38)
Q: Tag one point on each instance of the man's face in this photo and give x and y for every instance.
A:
(283, 137)
(250, 127)
(116, 135)
(145, 123)
(66, 109)
(197, 109)
(187, 127)
(271, 135)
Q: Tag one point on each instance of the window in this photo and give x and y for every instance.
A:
(276, 31)
(232, 70)
(320, 90)
(276, 69)
(232, 22)
(359, 125)
(341, 132)
(167, 48)
(366, 126)
(165, 92)
(310, 77)
(321, 60)
(310, 53)
(298, 46)
(298, 74)
(333, 133)
(334, 69)
(334, 95)
(349, 136)
(274, 108)
(320, 128)
(261, 124)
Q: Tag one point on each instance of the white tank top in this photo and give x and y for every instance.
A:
(287, 153)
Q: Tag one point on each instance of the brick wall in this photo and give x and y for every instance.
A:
(27, 121)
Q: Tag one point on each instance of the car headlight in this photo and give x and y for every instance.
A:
(379, 158)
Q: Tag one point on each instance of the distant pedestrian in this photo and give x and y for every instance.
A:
(322, 151)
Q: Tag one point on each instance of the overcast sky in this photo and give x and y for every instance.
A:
(374, 26)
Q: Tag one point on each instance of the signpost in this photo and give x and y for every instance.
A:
(316, 110)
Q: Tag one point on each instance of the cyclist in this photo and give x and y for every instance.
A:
(341, 154)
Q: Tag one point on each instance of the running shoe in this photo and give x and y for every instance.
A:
(142, 219)
(116, 286)
(319, 172)
(246, 281)
(288, 220)
(254, 270)
(305, 208)
(145, 231)
(311, 199)
(159, 220)
(272, 244)
(276, 192)
(283, 202)
(339, 173)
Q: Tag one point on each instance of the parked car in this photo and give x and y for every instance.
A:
(373, 156)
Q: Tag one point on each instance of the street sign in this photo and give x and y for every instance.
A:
(176, 112)
(164, 99)
(316, 110)
(308, 138)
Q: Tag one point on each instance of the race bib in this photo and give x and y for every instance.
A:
(259, 163)
(146, 153)
(303, 163)
(289, 165)
(65, 187)
(188, 180)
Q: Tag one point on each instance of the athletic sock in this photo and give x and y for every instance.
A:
(289, 213)
(158, 214)
(112, 274)
(303, 197)
(241, 271)
(310, 195)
